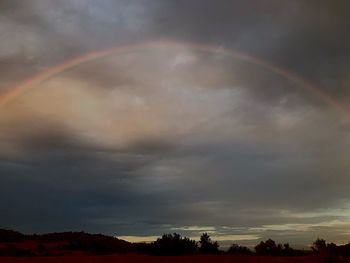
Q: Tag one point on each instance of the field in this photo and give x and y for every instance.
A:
(150, 259)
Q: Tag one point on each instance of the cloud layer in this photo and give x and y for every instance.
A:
(176, 139)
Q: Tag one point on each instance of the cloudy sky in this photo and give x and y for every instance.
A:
(226, 117)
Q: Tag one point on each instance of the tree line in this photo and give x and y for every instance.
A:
(166, 245)
(174, 244)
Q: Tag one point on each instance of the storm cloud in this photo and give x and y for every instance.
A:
(167, 139)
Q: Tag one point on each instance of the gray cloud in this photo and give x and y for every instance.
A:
(145, 143)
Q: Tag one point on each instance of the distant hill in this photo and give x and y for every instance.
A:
(11, 236)
(14, 243)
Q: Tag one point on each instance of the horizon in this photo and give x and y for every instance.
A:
(224, 243)
(136, 119)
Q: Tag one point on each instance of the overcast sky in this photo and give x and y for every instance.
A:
(171, 137)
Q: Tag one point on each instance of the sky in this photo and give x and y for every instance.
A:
(225, 117)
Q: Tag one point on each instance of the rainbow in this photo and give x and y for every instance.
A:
(32, 82)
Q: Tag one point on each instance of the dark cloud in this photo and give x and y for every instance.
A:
(307, 37)
(234, 147)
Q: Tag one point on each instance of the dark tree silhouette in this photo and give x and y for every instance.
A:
(319, 245)
(169, 245)
(332, 248)
(268, 247)
(236, 249)
(288, 251)
(207, 246)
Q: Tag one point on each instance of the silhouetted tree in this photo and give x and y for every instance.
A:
(207, 246)
(319, 245)
(344, 250)
(236, 249)
(288, 251)
(169, 245)
(332, 248)
(268, 247)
